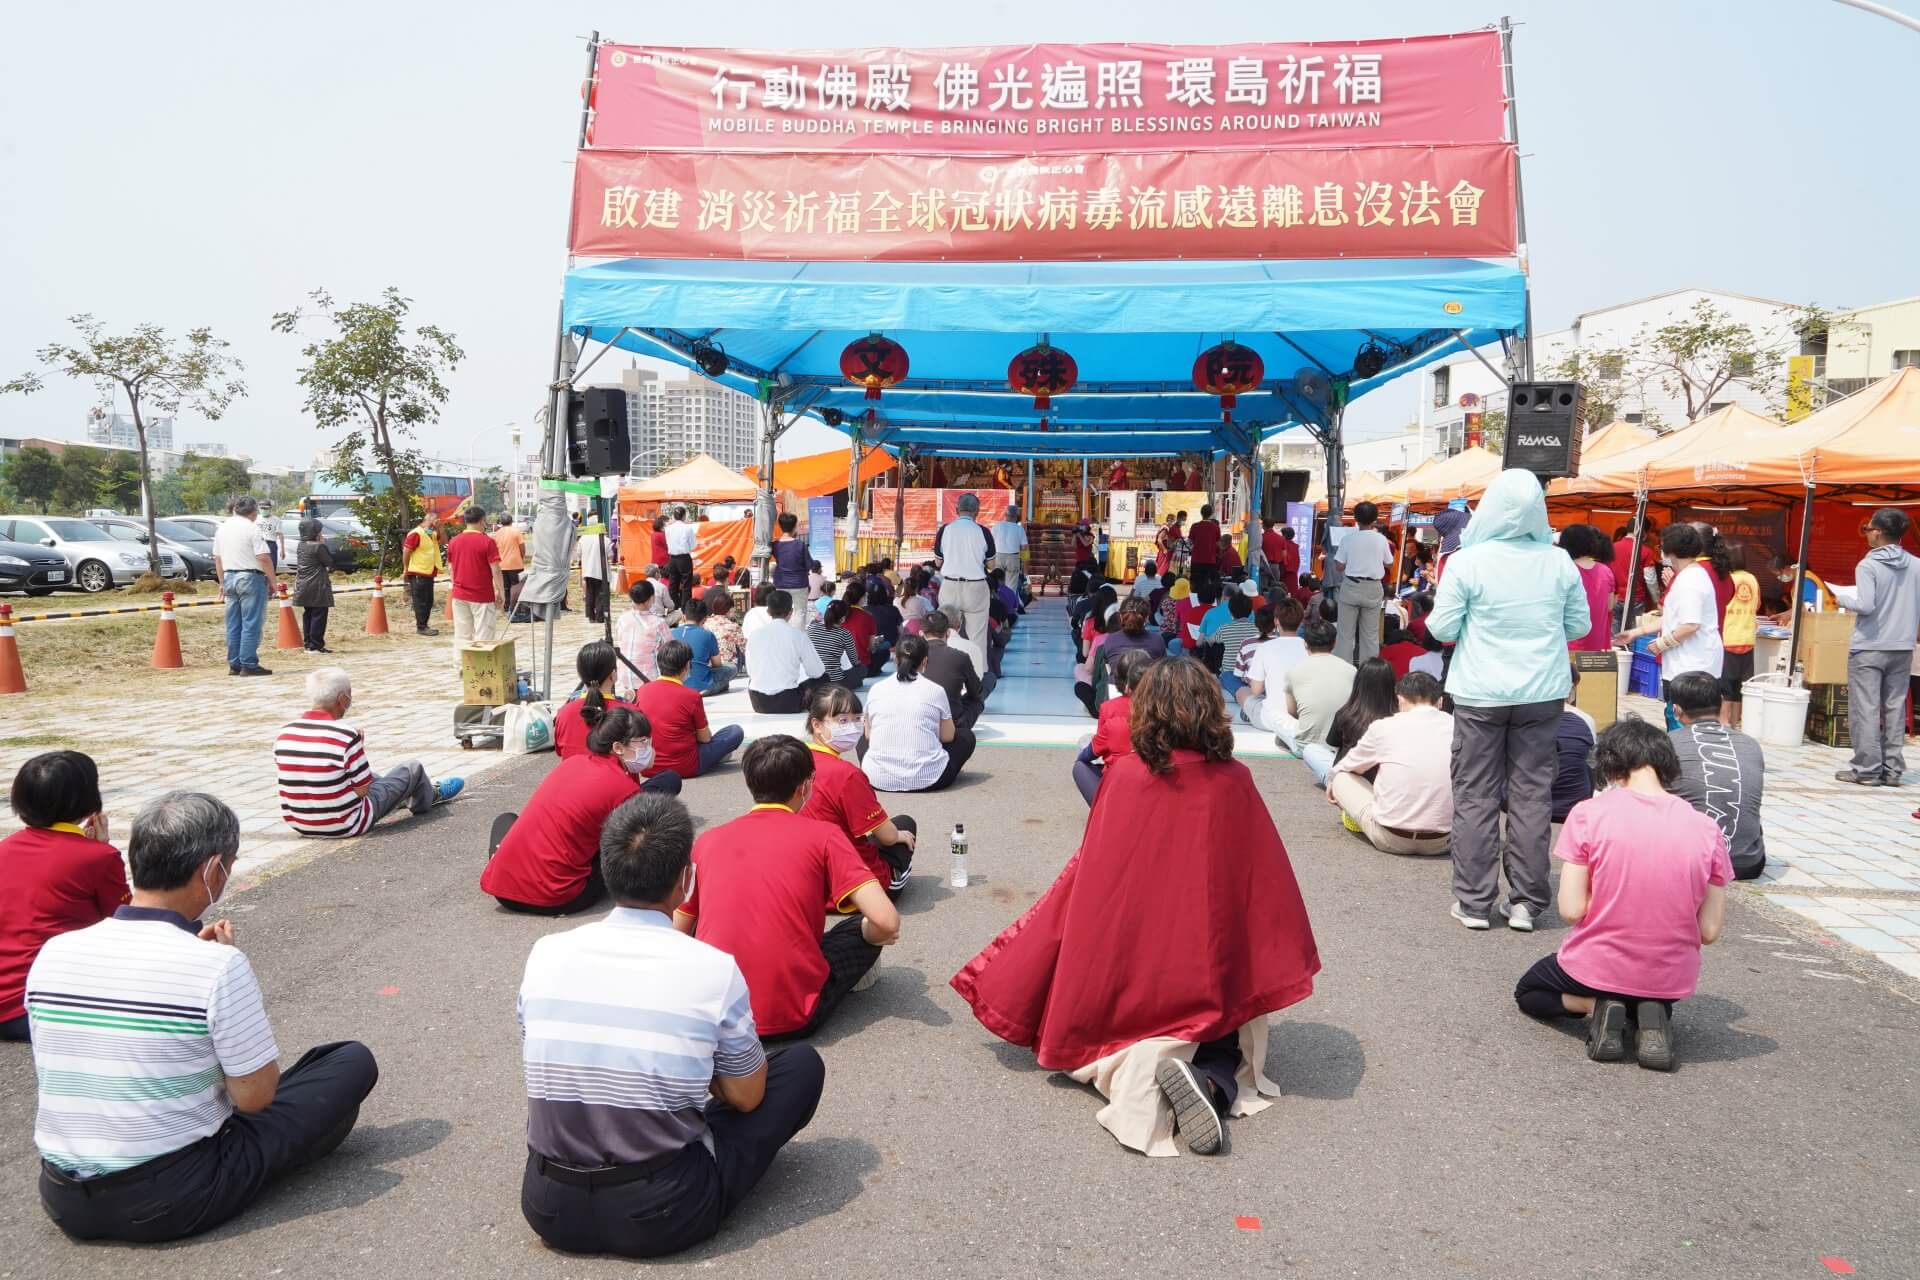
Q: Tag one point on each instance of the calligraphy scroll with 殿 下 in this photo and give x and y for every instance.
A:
(1367, 202)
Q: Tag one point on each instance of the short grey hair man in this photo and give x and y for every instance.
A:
(969, 504)
(327, 787)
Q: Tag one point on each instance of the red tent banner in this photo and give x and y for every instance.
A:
(1366, 202)
(928, 509)
(1046, 98)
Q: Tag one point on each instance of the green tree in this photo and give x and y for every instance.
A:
(207, 484)
(1493, 431)
(1693, 359)
(382, 382)
(152, 371)
(34, 474)
(116, 480)
(490, 489)
(79, 478)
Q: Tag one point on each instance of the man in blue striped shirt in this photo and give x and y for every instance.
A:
(652, 1109)
(163, 1110)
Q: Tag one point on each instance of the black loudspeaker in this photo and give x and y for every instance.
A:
(1543, 427)
(597, 440)
(1284, 487)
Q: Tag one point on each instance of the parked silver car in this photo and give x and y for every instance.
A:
(177, 538)
(98, 560)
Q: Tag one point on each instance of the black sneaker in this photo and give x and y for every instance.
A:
(1859, 779)
(1193, 1111)
(425, 631)
(233, 669)
(1607, 1031)
(1653, 1046)
(255, 670)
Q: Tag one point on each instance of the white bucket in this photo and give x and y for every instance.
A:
(1775, 712)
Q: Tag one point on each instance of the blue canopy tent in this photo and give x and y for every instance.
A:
(1326, 331)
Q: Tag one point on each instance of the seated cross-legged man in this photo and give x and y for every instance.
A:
(759, 882)
(1311, 693)
(782, 665)
(682, 740)
(951, 666)
(326, 786)
(628, 1027)
(1408, 807)
(163, 1109)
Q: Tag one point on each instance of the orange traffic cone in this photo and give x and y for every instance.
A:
(377, 608)
(620, 583)
(290, 637)
(449, 610)
(12, 678)
(166, 641)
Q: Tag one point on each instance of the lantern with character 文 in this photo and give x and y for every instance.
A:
(874, 362)
(1228, 370)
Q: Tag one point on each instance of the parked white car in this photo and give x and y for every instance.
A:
(98, 560)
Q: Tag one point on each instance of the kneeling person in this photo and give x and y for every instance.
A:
(1408, 807)
(1723, 772)
(626, 1152)
(760, 882)
(163, 1109)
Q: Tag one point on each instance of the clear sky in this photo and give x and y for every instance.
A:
(209, 162)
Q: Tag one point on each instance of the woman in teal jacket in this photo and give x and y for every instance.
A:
(1510, 601)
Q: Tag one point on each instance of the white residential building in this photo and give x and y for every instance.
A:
(116, 429)
(1868, 343)
(671, 420)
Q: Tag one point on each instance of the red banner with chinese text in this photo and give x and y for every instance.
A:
(1041, 99)
(927, 509)
(1362, 202)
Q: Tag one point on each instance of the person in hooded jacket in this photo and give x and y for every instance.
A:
(1886, 601)
(1510, 601)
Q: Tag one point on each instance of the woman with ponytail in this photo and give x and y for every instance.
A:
(912, 741)
(835, 646)
(598, 666)
(546, 860)
(843, 797)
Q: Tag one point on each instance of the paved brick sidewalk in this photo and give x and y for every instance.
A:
(204, 729)
(1846, 858)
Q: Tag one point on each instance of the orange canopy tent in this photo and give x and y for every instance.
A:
(1616, 437)
(816, 475)
(1359, 484)
(1465, 475)
(1869, 441)
(1712, 453)
(1395, 490)
(700, 480)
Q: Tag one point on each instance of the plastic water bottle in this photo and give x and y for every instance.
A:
(957, 868)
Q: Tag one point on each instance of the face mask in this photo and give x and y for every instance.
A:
(206, 878)
(846, 735)
(637, 761)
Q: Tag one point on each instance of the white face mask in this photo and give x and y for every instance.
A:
(206, 878)
(638, 758)
(845, 735)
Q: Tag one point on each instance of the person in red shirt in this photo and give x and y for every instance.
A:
(1639, 601)
(1398, 647)
(1273, 550)
(1229, 558)
(1085, 549)
(758, 884)
(1192, 612)
(473, 563)
(1203, 541)
(57, 873)
(843, 796)
(597, 664)
(682, 742)
(661, 556)
(1117, 479)
(1110, 737)
(546, 859)
(870, 651)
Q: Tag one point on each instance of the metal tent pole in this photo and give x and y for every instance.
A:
(1800, 577)
(853, 500)
(1029, 502)
(1336, 479)
(764, 509)
(1633, 561)
(900, 512)
(1519, 197)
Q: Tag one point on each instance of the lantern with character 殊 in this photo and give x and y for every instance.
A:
(1042, 371)
(874, 362)
(1228, 370)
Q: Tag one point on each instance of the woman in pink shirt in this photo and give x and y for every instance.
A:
(1644, 888)
(1591, 554)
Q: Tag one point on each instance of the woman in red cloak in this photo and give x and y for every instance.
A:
(1149, 968)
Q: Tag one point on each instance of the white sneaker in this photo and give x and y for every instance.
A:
(1519, 916)
(1472, 922)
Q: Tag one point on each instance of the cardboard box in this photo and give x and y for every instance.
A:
(1824, 639)
(487, 673)
(1599, 691)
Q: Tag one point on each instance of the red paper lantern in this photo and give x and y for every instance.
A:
(874, 362)
(1227, 370)
(1042, 372)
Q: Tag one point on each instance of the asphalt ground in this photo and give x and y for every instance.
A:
(1428, 1129)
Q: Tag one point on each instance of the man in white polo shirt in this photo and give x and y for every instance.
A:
(652, 1110)
(962, 549)
(1362, 558)
(245, 570)
(1009, 540)
(782, 665)
(682, 538)
(163, 1109)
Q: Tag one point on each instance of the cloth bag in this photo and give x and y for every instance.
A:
(529, 728)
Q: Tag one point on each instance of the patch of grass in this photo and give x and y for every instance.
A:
(37, 740)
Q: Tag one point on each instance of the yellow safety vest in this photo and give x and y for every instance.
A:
(425, 559)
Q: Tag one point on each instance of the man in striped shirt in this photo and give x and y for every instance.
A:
(163, 1110)
(652, 1110)
(326, 786)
